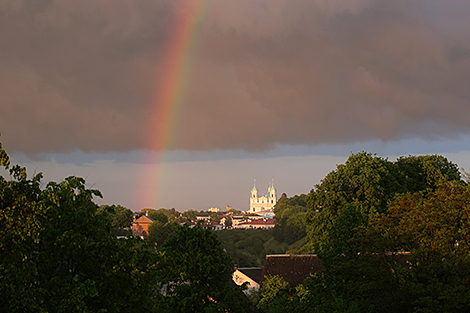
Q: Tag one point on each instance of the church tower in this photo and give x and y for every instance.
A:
(272, 197)
(254, 191)
(263, 203)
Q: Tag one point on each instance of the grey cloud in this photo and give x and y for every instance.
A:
(84, 74)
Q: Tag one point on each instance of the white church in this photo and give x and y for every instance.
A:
(262, 203)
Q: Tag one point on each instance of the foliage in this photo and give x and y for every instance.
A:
(247, 248)
(370, 183)
(413, 258)
(121, 218)
(214, 217)
(197, 273)
(171, 214)
(435, 229)
(351, 281)
(228, 222)
(57, 253)
(274, 296)
(158, 217)
(159, 232)
(234, 211)
(4, 159)
(289, 215)
(424, 172)
(190, 215)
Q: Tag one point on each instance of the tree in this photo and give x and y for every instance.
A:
(197, 273)
(159, 232)
(351, 281)
(434, 227)
(274, 296)
(158, 216)
(171, 214)
(57, 254)
(228, 222)
(413, 258)
(285, 203)
(426, 172)
(289, 215)
(190, 214)
(370, 182)
(366, 180)
(214, 217)
(234, 211)
(121, 218)
(392, 236)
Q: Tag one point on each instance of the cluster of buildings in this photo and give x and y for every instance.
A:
(259, 216)
(241, 221)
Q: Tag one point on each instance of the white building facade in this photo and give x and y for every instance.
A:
(263, 203)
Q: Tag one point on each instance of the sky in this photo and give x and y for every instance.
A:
(184, 103)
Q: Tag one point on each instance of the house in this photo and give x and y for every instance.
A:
(203, 216)
(141, 225)
(293, 268)
(212, 225)
(262, 223)
(236, 219)
(250, 275)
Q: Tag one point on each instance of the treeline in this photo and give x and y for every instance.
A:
(59, 253)
(392, 237)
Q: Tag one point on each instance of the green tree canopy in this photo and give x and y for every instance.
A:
(58, 254)
(413, 258)
(159, 232)
(121, 217)
(158, 216)
(190, 214)
(214, 217)
(289, 215)
(274, 296)
(424, 172)
(234, 211)
(370, 183)
(228, 222)
(434, 228)
(197, 273)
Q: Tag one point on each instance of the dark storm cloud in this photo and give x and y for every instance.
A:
(83, 74)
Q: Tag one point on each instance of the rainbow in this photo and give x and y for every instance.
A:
(173, 79)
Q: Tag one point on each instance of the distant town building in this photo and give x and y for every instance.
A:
(262, 223)
(215, 210)
(205, 216)
(141, 225)
(263, 202)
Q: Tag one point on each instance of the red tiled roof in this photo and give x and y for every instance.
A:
(293, 268)
(259, 222)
